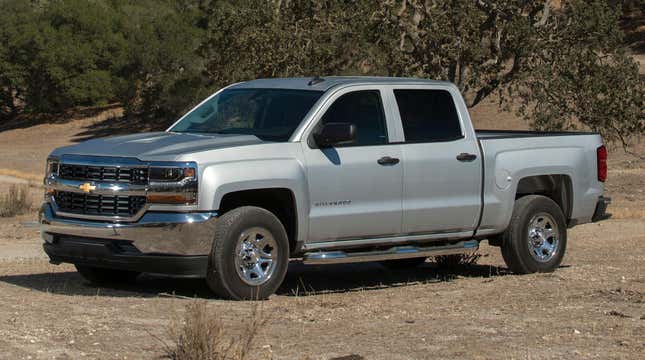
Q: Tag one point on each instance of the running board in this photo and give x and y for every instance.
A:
(397, 252)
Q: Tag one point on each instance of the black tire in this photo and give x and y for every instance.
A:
(402, 264)
(516, 248)
(99, 276)
(222, 277)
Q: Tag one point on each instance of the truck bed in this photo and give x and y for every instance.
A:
(510, 156)
(508, 134)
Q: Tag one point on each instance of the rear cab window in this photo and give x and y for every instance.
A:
(428, 115)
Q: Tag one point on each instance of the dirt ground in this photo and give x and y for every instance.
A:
(592, 307)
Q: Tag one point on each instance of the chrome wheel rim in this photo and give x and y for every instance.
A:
(255, 256)
(543, 237)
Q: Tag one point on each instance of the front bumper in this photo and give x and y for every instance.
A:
(161, 242)
(113, 254)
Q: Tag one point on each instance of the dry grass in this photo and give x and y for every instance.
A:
(22, 175)
(201, 335)
(14, 202)
(619, 212)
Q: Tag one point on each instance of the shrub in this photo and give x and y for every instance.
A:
(201, 335)
(14, 202)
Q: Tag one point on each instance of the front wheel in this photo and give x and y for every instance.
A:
(536, 237)
(250, 254)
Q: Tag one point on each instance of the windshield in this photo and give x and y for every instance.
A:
(269, 114)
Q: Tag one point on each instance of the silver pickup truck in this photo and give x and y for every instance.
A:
(335, 169)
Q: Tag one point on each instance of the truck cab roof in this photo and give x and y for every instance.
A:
(328, 82)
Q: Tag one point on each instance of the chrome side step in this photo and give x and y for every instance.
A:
(397, 252)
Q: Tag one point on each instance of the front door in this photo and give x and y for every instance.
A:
(355, 189)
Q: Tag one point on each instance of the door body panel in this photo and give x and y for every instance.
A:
(440, 193)
(351, 195)
(442, 164)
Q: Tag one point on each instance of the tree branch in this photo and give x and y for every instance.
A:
(545, 13)
(494, 84)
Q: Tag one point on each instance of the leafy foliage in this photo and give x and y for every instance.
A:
(62, 57)
(60, 54)
(560, 67)
(287, 38)
(163, 72)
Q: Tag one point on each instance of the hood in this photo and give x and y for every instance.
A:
(148, 146)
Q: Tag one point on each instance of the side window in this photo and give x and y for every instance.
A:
(363, 109)
(428, 115)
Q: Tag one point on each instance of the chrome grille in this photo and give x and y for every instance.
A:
(132, 175)
(92, 204)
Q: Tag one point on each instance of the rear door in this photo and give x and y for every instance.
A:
(441, 163)
(353, 193)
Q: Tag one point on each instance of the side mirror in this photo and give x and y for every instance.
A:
(335, 134)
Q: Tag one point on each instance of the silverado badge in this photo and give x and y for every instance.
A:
(87, 187)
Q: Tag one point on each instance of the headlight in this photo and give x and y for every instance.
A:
(173, 184)
(171, 174)
(52, 167)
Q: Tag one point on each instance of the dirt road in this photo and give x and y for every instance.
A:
(593, 307)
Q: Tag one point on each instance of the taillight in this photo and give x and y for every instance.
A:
(601, 155)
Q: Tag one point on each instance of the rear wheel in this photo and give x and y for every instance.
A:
(250, 255)
(401, 264)
(536, 238)
(98, 275)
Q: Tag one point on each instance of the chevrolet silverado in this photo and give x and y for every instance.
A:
(329, 170)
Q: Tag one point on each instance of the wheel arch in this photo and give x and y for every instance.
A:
(260, 183)
(557, 187)
(280, 201)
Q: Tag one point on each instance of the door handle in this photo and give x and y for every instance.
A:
(386, 160)
(466, 157)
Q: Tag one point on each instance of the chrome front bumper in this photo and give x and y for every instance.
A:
(159, 233)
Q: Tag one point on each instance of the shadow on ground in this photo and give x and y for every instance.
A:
(306, 280)
(27, 120)
(301, 280)
(109, 126)
(119, 126)
(71, 283)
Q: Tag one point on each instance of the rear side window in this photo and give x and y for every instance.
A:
(428, 115)
(363, 109)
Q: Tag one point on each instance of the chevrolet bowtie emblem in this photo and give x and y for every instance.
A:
(87, 187)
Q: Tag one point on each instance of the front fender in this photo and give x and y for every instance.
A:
(220, 179)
